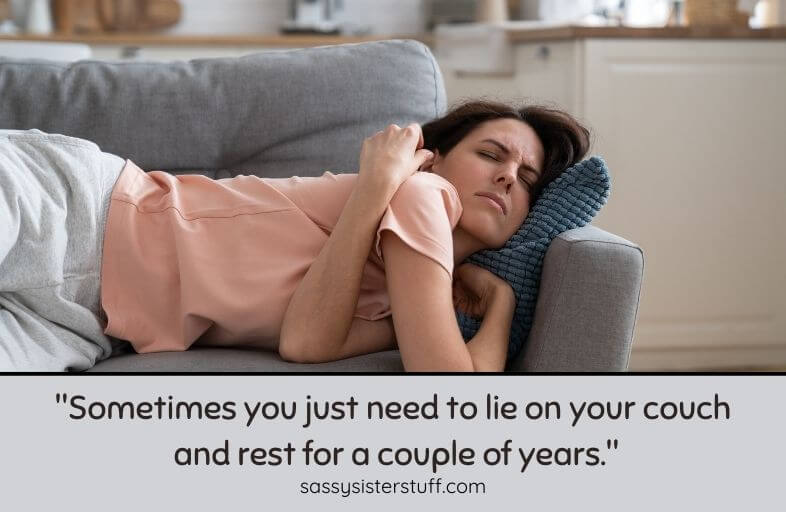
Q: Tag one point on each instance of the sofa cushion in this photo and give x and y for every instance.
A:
(273, 114)
(208, 359)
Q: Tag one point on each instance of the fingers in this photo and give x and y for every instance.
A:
(412, 130)
(394, 132)
(422, 156)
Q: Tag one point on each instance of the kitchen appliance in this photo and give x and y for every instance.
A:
(313, 17)
(39, 18)
(491, 11)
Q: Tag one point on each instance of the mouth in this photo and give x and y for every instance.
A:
(495, 201)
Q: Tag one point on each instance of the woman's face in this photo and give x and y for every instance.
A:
(503, 157)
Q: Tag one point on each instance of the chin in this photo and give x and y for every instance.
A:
(498, 241)
(486, 234)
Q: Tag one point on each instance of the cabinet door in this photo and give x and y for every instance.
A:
(541, 73)
(550, 73)
(693, 132)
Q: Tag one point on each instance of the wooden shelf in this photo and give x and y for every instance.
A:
(693, 32)
(161, 39)
(514, 35)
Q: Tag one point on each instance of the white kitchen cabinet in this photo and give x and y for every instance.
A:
(538, 72)
(693, 132)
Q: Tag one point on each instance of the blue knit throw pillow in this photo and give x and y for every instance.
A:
(568, 202)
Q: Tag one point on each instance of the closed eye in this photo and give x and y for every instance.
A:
(494, 157)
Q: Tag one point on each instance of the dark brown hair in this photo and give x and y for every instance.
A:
(565, 141)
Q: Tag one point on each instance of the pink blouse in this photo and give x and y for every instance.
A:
(189, 257)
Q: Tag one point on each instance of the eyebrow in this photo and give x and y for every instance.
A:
(505, 150)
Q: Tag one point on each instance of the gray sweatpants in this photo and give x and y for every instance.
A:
(54, 197)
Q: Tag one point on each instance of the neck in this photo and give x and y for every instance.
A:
(463, 246)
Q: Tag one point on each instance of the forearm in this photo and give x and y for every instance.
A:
(319, 315)
(489, 347)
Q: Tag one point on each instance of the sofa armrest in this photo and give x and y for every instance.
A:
(587, 304)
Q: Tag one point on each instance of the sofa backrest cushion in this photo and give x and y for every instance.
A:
(275, 113)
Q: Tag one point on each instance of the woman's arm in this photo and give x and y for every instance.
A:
(427, 333)
(319, 315)
(489, 347)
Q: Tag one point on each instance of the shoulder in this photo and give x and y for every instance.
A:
(429, 190)
(428, 181)
(423, 213)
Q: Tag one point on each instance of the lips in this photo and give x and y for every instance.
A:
(496, 198)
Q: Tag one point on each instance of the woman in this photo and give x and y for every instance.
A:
(326, 268)
(482, 149)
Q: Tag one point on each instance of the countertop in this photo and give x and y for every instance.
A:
(529, 33)
(515, 31)
(163, 39)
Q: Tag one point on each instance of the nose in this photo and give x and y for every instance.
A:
(507, 175)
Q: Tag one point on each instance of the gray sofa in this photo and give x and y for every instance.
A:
(301, 112)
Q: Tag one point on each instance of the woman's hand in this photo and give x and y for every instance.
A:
(389, 157)
(475, 288)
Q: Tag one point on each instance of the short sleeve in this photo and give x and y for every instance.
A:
(423, 213)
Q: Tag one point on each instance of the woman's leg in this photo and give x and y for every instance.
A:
(54, 195)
